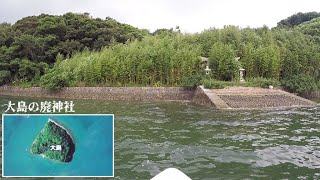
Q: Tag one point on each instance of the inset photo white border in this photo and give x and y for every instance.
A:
(3, 129)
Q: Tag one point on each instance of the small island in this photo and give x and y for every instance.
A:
(54, 142)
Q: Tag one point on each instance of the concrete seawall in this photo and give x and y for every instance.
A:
(228, 98)
(311, 95)
(106, 93)
(200, 97)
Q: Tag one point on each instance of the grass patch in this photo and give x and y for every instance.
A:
(255, 82)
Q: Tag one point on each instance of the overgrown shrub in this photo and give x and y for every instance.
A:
(4, 76)
(255, 82)
(301, 84)
(263, 82)
(192, 81)
(214, 84)
(55, 80)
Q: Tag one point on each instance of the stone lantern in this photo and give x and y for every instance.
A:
(208, 70)
(205, 61)
(241, 70)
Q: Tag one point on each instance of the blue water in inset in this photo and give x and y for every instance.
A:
(93, 136)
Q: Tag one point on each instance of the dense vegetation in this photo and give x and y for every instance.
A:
(253, 82)
(30, 46)
(54, 135)
(76, 50)
(157, 61)
(297, 19)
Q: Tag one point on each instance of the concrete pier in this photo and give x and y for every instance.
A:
(254, 98)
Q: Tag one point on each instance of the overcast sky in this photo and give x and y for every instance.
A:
(190, 15)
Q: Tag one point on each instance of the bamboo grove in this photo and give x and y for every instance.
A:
(156, 61)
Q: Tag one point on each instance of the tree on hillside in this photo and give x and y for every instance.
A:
(39, 39)
(297, 19)
(311, 28)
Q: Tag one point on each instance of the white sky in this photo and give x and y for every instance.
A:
(190, 15)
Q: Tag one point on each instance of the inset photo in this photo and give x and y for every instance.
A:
(58, 145)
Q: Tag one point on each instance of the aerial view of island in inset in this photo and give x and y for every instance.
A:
(54, 142)
(57, 145)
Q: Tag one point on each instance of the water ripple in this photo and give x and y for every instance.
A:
(207, 144)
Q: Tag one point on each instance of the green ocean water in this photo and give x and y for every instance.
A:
(209, 144)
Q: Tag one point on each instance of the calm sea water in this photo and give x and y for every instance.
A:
(209, 144)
